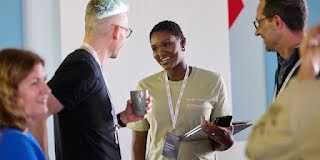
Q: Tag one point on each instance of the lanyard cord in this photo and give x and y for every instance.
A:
(294, 68)
(174, 115)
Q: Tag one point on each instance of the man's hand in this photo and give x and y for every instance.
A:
(128, 116)
(222, 135)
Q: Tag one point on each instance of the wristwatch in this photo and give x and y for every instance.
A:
(120, 122)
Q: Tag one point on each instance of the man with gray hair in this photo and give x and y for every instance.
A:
(289, 130)
(281, 25)
(86, 123)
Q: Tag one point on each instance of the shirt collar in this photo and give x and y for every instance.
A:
(291, 59)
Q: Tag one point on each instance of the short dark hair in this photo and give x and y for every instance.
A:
(293, 12)
(167, 26)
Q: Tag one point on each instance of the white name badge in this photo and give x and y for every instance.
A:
(171, 146)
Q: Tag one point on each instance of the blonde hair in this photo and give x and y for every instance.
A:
(99, 13)
(15, 65)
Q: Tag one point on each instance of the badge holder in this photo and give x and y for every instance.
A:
(171, 146)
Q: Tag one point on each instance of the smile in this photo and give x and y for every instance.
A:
(164, 60)
(43, 101)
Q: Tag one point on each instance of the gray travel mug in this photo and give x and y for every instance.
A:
(139, 101)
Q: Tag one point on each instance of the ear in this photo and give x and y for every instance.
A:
(183, 42)
(278, 21)
(116, 32)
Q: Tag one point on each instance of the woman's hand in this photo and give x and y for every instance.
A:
(222, 135)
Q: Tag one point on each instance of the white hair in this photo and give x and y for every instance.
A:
(100, 12)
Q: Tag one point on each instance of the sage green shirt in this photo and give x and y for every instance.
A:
(204, 96)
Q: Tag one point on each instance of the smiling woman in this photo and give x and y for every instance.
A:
(23, 102)
(182, 106)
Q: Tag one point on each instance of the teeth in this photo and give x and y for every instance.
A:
(44, 100)
(164, 59)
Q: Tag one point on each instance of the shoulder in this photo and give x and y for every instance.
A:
(77, 67)
(157, 77)
(15, 143)
(151, 82)
(9, 134)
(80, 60)
(205, 72)
(17, 138)
(210, 76)
(79, 55)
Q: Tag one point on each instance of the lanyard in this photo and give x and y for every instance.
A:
(174, 115)
(95, 55)
(286, 80)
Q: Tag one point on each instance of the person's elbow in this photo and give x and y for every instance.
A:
(54, 105)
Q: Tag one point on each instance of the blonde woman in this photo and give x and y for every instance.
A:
(23, 102)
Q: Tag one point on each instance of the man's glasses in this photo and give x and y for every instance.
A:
(257, 22)
(128, 30)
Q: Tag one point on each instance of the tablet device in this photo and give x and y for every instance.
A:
(198, 134)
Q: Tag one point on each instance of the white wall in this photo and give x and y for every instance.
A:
(247, 68)
(248, 77)
(41, 32)
(204, 22)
